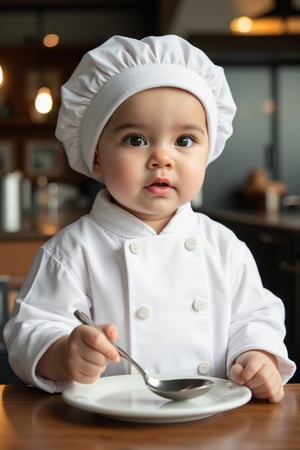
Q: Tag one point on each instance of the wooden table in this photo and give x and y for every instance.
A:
(33, 420)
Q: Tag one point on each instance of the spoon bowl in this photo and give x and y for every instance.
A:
(172, 389)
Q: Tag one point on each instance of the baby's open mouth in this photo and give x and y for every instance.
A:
(160, 184)
(159, 187)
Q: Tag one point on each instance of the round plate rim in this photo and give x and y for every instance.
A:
(76, 395)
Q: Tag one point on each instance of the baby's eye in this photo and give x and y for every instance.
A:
(135, 140)
(184, 141)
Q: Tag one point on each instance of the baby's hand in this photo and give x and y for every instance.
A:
(88, 351)
(258, 371)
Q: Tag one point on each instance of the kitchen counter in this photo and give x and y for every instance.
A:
(17, 249)
(42, 225)
(45, 224)
(283, 221)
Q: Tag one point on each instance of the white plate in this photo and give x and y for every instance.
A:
(125, 397)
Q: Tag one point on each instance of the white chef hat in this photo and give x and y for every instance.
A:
(122, 67)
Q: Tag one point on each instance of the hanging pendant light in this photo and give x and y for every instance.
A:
(283, 18)
(43, 102)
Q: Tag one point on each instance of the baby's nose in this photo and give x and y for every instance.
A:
(161, 157)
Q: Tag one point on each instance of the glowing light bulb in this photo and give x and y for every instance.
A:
(43, 102)
(265, 25)
(51, 40)
(241, 25)
(1, 76)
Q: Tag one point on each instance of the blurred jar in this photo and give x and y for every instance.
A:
(11, 201)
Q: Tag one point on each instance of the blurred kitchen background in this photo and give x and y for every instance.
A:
(254, 187)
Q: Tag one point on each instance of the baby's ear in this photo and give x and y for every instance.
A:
(96, 165)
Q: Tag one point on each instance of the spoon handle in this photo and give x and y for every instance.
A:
(86, 320)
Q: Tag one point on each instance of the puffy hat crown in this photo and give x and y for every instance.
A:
(121, 67)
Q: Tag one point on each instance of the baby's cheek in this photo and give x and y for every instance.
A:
(195, 179)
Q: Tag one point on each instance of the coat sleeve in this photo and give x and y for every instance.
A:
(42, 314)
(257, 320)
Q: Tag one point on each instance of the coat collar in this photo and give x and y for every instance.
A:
(115, 219)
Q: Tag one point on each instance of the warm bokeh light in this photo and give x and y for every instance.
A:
(269, 106)
(265, 25)
(293, 25)
(241, 25)
(43, 102)
(1, 76)
(51, 40)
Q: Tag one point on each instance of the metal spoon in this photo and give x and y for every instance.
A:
(174, 389)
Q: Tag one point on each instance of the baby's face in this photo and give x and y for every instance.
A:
(152, 153)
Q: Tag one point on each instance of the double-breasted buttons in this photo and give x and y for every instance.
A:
(144, 312)
(135, 247)
(199, 304)
(204, 368)
(190, 244)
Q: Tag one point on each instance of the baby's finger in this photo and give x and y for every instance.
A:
(277, 396)
(97, 340)
(273, 393)
(236, 373)
(111, 331)
(257, 374)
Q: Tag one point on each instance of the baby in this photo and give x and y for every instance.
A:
(179, 291)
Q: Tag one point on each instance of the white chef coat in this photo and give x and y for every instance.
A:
(187, 301)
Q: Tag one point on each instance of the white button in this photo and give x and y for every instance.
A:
(144, 312)
(199, 304)
(135, 247)
(190, 244)
(204, 368)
